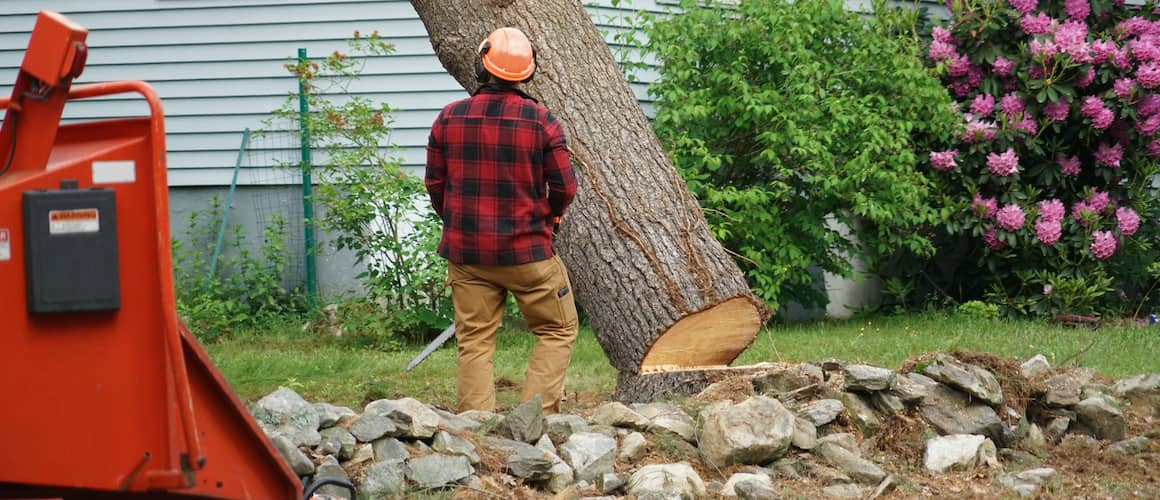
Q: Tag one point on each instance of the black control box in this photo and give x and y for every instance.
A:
(70, 248)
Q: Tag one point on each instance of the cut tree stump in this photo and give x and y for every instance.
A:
(656, 285)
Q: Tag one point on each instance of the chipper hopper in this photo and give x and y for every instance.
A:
(106, 394)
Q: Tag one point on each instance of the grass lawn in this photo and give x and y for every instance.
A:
(256, 363)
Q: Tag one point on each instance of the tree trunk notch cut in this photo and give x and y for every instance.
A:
(658, 288)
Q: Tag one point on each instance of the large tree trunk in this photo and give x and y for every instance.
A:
(661, 293)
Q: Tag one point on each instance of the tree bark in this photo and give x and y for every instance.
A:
(659, 291)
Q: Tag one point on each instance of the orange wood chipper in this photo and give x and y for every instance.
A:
(106, 394)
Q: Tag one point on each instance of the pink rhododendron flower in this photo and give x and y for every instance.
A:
(961, 88)
(1051, 209)
(1103, 244)
(940, 34)
(1041, 24)
(1144, 50)
(1070, 166)
(1103, 119)
(1047, 289)
(1086, 79)
(1082, 212)
(943, 161)
(1028, 125)
(1010, 217)
(1120, 59)
(1071, 38)
(983, 105)
(1148, 75)
(1102, 50)
(1003, 66)
(1011, 104)
(1044, 50)
(984, 207)
(1056, 111)
(1023, 6)
(1098, 201)
(1148, 126)
(1109, 156)
(1123, 87)
(1149, 105)
(1154, 148)
(1003, 164)
(1134, 26)
(993, 242)
(958, 66)
(978, 130)
(1077, 9)
(1091, 106)
(1127, 220)
(942, 51)
(1048, 231)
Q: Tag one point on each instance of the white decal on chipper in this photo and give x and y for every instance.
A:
(81, 220)
(5, 245)
(114, 172)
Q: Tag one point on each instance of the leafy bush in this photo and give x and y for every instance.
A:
(373, 206)
(1053, 177)
(798, 125)
(245, 291)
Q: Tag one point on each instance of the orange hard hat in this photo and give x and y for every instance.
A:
(507, 54)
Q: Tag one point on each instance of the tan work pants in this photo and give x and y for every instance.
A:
(544, 294)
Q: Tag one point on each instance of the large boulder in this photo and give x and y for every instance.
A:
(952, 412)
(284, 412)
(438, 470)
(866, 378)
(667, 481)
(1103, 418)
(412, 418)
(959, 451)
(969, 378)
(589, 454)
(756, 431)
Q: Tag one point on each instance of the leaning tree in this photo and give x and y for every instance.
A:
(667, 303)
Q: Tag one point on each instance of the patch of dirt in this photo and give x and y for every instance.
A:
(1089, 469)
(735, 389)
(503, 383)
(903, 438)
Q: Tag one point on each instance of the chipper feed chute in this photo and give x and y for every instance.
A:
(106, 394)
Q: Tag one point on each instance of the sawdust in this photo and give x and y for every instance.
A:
(735, 389)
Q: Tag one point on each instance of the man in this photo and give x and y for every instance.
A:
(499, 176)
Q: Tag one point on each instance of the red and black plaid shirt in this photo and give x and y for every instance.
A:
(498, 171)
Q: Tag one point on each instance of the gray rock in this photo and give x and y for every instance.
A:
(866, 378)
(822, 412)
(560, 477)
(609, 482)
(951, 412)
(729, 490)
(755, 490)
(564, 424)
(421, 447)
(786, 380)
(1028, 482)
(860, 412)
(412, 418)
(590, 454)
(1063, 390)
(858, 468)
(371, 426)
(383, 479)
(298, 461)
(787, 468)
(284, 412)
(827, 475)
(330, 469)
(886, 402)
(756, 431)
(330, 415)
(1036, 366)
(843, 491)
(665, 417)
(843, 439)
(612, 432)
(330, 446)
(1019, 457)
(632, 448)
(1104, 419)
(805, 435)
(438, 470)
(667, 481)
(1035, 439)
(522, 459)
(886, 486)
(959, 451)
(913, 388)
(525, 422)
(390, 449)
(1138, 385)
(545, 444)
(1130, 446)
(455, 422)
(1056, 428)
(345, 438)
(618, 415)
(969, 378)
(450, 444)
(484, 418)
(1092, 389)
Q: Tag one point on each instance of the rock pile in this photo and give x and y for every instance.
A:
(827, 421)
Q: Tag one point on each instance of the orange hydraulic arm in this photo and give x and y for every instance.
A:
(124, 401)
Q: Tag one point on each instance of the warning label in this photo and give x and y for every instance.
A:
(5, 245)
(83, 220)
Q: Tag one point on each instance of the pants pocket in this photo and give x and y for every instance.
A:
(565, 298)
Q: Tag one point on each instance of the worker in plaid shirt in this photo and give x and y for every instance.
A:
(499, 175)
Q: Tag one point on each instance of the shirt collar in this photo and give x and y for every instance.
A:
(498, 88)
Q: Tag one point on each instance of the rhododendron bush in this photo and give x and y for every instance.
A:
(1054, 173)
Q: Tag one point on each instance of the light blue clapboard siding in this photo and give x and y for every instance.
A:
(218, 66)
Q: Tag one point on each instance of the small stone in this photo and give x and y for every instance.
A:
(1013, 456)
(330, 446)
(822, 412)
(756, 431)
(632, 448)
(677, 480)
(1139, 385)
(610, 482)
(886, 402)
(454, 422)
(1091, 390)
(729, 491)
(285, 412)
(484, 418)
(412, 418)
(665, 417)
(450, 444)
(330, 469)
(951, 412)
(545, 444)
(1026, 483)
(1105, 420)
(1035, 438)
(885, 487)
(589, 454)
(805, 435)
(959, 451)
(383, 479)
(564, 425)
(618, 415)
(913, 388)
(843, 439)
(755, 490)
(362, 453)
(786, 380)
(346, 440)
(972, 379)
(525, 422)
(788, 468)
(1056, 428)
(843, 491)
(298, 461)
(330, 415)
(560, 477)
(1063, 390)
(371, 426)
(858, 468)
(438, 470)
(1035, 366)
(861, 415)
(1130, 446)
(866, 378)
